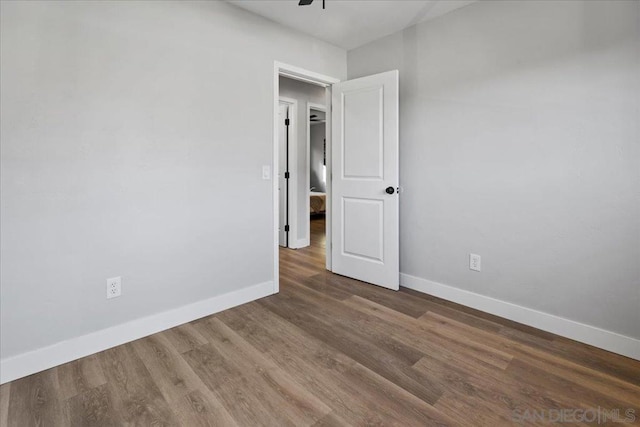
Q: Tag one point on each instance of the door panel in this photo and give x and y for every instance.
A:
(363, 136)
(365, 230)
(364, 214)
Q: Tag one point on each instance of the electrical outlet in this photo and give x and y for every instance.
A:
(475, 262)
(114, 287)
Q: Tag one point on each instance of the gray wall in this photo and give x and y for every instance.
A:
(520, 142)
(133, 138)
(303, 92)
(317, 136)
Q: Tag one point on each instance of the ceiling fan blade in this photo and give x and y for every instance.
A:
(308, 2)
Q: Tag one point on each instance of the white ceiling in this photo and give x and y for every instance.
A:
(350, 23)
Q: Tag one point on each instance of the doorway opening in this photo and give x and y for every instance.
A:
(299, 94)
(362, 227)
(297, 128)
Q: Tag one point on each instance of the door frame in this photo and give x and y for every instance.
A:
(323, 108)
(297, 73)
(292, 194)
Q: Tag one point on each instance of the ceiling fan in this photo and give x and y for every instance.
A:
(315, 119)
(308, 2)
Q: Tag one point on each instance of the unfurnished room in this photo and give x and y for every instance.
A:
(319, 212)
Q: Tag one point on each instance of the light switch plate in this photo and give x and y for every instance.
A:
(266, 172)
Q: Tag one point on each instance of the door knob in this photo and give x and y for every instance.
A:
(390, 190)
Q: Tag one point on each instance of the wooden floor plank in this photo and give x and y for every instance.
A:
(278, 390)
(242, 394)
(202, 408)
(387, 363)
(34, 401)
(358, 325)
(325, 371)
(590, 378)
(135, 395)
(331, 420)
(536, 376)
(481, 315)
(5, 390)
(624, 368)
(179, 385)
(320, 283)
(396, 401)
(495, 391)
(79, 376)
(469, 412)
(430, 340)
(93, 408)
(411, 306)
(166, 367)
(184, 337)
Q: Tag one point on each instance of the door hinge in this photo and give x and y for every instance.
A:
(286, 228)
(286, 175)
(286, 122)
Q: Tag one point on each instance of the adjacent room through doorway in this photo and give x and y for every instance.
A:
(302, 179)
(302, 164)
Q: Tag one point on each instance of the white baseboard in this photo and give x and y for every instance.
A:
(300, 243)
(47, 357)
(607, 340)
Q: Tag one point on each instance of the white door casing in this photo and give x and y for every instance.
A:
(287, 204)
(365, 163)
(283, 111)
(296, 73)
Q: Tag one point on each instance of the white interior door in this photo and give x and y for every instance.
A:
(365, 205)
(283, 112)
